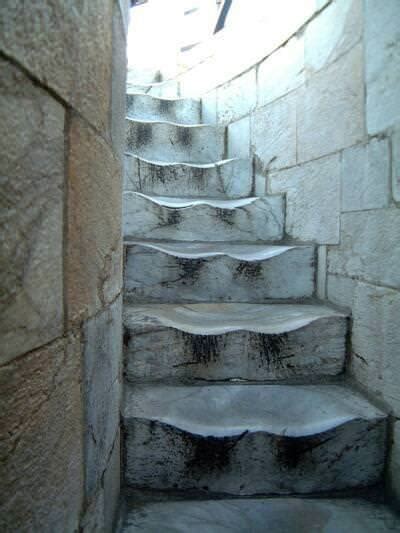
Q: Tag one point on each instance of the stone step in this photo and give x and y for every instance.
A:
(196, 219)
(272, 515)
(233, 341)
(252, 439)
(175, 143)
(216, 272)
(161, 89)
(146, 107)
(231, 178)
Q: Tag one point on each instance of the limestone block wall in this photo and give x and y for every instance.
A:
(320, 118)
(62, 100)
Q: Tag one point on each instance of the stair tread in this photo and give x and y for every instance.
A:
(196, 250)
(220, 318)
(275, 515)
(191, 201)
(168, 123)
(212, 164)
(162, 98)
(231, 410)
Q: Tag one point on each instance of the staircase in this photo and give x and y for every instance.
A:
(234, 370)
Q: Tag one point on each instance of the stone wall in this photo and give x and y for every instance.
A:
(62, 99)
(320, 117)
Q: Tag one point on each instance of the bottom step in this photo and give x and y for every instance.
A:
(278, 515)
(251, 439)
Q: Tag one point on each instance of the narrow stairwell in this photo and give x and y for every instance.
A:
(234, 371)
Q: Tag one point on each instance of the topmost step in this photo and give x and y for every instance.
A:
(168, 88)
(178, 110)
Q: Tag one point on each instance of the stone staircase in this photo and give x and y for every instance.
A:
(233, 369)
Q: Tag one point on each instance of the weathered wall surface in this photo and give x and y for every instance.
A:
(320, 117)
(62, 98)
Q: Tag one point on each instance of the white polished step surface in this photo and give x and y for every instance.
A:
(170, 142)
(248, 439)
(216, 272)
(230, 178)
(180, 110)
(194, 219)
(275, 515)
(230, 341)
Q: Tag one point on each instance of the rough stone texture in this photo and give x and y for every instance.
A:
(237, 97)
(179, 110)
(158, 273)
(396, 165)
(281, 72)
(382, 57)
(67, 46)
(94, 250)
(275, 515)
(312, 199)
(242, 439)
(118, 81)
(369, 247)
(102, 380)
(112, 482)
(41, 449)
(173, 143)
(394, 464)
(193, 219)
(32, 160)
(337, 29)
(330, 113)
(375, 335)
(228, 341)
(273, 133)
(365, 176)
(225, 179)
(239, 138)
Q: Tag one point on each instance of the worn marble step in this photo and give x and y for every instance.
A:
(216, 272)
(230, 178)
(175, 143)
(195, 219)
(147, 107)
(252, 439)
(229, 341)
(272, 515)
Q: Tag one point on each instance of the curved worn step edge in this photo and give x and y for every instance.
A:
(231, 410)
(213, 164)
(174, 202)
(201, 250)
(219, 318)
(170, 123)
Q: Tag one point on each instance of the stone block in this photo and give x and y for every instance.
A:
(273, 134)
(41, 447)
(369, 247)
(67, 46)
(382, 57)
(94, 247)
(375, 335)
(281, 72)
(365, 176)
(394, 464)
(102, 379)
(330, 113)
(31, 204)
(236, 98)
(396, 165)
(118, 86)
(239, 138)
(332, 33)
(312, 199)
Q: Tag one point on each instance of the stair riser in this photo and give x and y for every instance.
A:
(159, 353)
(232, 179)
(159, 456)
(260, 220)
(172, 143)
(145, 107)
(154, 276)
